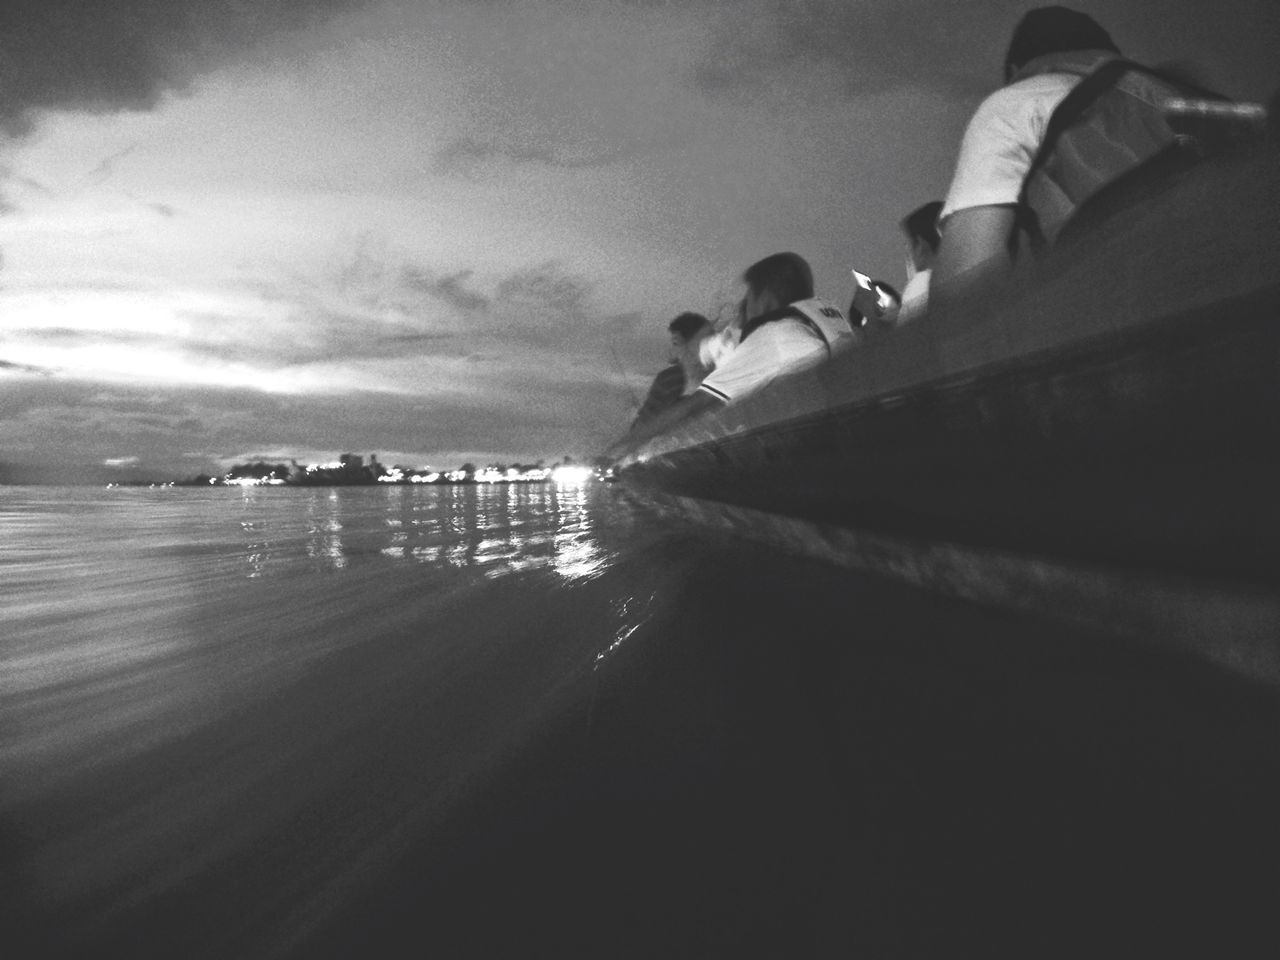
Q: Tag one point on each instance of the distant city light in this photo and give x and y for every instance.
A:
(250, 481)
(571, 474)
(350, 470)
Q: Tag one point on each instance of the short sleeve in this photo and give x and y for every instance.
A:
(780, 347)
(741, 370)
(1001, 141)
(995, 155)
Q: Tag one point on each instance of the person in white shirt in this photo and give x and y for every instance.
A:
(782, 329)
(876, 307)
(1052, 48)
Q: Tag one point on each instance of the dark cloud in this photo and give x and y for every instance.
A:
(549, 288)
(860, 47)
(63, 336)
(377, 307)
(67, 430)
(78, 337)
(64, 427)
(7, 206)
(540, 384)
(872, 46)
(535, 417)
(315, 334)
(540, 303)
(78, 418)
(106, 55)
(467, 156)
(163, 209)
(23, 368)
(106, 167)
(34, 185)
(452, 288)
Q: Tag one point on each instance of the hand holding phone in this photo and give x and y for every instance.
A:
(868, 299)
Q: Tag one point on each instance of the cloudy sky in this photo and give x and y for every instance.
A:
(447, 230)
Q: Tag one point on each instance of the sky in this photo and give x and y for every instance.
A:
(455, 230)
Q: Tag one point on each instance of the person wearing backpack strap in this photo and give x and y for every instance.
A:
(784, 329)
(1024, 167)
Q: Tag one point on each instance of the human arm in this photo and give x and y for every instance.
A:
(685, 408)
(975, 257)
(874, 305)
(979, 216)
(666, 389)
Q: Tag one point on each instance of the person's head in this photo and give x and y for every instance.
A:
(774, 282)
(1053, 30)
(687, 330)
(921, 229)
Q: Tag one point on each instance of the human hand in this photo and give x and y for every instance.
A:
(866, 300)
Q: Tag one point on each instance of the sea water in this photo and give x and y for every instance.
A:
(540, 720)
(237, 698)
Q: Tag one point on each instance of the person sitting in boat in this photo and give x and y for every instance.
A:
(783, 329)
(878, 307)
(684, 371)
(1025, 165)
(920, 227)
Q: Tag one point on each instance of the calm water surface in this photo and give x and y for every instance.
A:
(192, 680)
(532, 721)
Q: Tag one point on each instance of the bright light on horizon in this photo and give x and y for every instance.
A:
(571, 474)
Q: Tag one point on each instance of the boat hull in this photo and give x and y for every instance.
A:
(1103, 443)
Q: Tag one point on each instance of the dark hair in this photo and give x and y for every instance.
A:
(922, 224)
(1053, 30)
(786, 275)
(687, 324)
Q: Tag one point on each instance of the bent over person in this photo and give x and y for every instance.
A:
(784, 329)
(684, 370)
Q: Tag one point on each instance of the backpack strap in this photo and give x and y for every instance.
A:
(782, 313)
(1072, 107)
(791, 311)
(1070, 110)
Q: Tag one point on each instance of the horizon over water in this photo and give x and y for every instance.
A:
(536, 720)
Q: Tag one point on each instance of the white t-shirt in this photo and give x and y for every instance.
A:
(1001, 141)
(773, 349)
(716, 346)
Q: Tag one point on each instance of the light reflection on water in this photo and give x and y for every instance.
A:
(168, 694)
(496, 529)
